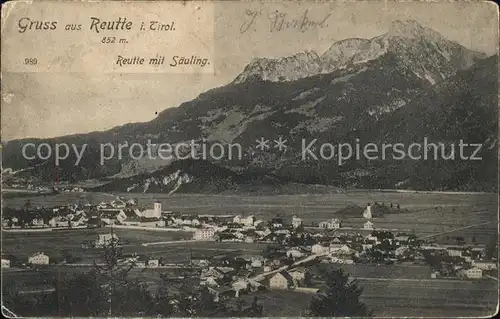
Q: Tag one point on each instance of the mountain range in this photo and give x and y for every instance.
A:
(403, 86)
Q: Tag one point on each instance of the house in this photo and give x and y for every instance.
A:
(339, 249)
(276, 222)
(58, 221)
(238, 285)
(111, 216)
(153, 263)
(212, 272)
(472, 273)
(177, 220)
(78, 220)
(5, 263)
(246, 221)
(200, 262)
(454, 252)
(195, 222)
(210, 281)
(402, 239)
(401, 250)
(153, 213)
(105, 239)
(318, 249)
(95, 222)
(282, 232)
(281, 280)
(132, 202)
(368, 225)
(37, 222)
(256, 262)
(294, 253)
(258, 222)
(5, 222)
(484, 265)
(298, 274)
(333, 223)
(263, 233)
(367, 245)
(132, 214)
(38, 259)
(118, 204)
(144, 221)
(249, 239)
(368, 212)
(204, 234)
(141, 262)
(237, 219)
(341, 260)
(296, 221)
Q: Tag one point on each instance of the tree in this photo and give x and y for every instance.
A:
(491, 247)
(27, 204)
(340, 298)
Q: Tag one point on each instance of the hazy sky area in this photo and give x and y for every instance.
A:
(54, 104)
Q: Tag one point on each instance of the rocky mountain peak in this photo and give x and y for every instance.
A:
(289, 68)
(420, 49)
(412, 29)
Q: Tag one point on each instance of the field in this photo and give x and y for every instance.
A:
(389, 290)
(428, 213)
(400, 298)
(398, 290)
(55, 243)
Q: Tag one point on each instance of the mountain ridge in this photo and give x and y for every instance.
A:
(374, 84)
(358, 50)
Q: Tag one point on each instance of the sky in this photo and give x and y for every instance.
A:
(49, 104)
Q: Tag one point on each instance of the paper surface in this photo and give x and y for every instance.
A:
(249, 158)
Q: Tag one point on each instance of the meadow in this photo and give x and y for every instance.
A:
(424, 213)
(399, 298)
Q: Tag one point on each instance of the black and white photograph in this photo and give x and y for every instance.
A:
(249, 159)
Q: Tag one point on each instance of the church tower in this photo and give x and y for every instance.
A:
(157, 208)
(368, 212)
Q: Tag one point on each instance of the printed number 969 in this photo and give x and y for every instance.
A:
(30, 61)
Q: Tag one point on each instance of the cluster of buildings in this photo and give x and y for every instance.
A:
(465, 261)
(116, 212)
(295, 242)
(37, 258)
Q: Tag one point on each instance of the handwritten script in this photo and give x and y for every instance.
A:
(280, 21)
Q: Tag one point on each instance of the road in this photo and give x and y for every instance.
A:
(457, 229)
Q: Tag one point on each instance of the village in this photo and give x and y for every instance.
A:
(290, 260)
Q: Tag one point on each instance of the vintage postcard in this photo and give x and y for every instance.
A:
(249, 158)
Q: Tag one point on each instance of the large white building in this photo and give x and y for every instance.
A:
(246, 221)
(333, 223)
(281, 280)
(472, 273)
(155, 212)
(5, 263)
(484, 265)
(368, 225)
(296, 221)
(204, 234)
(319, 249)
(38, 259)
